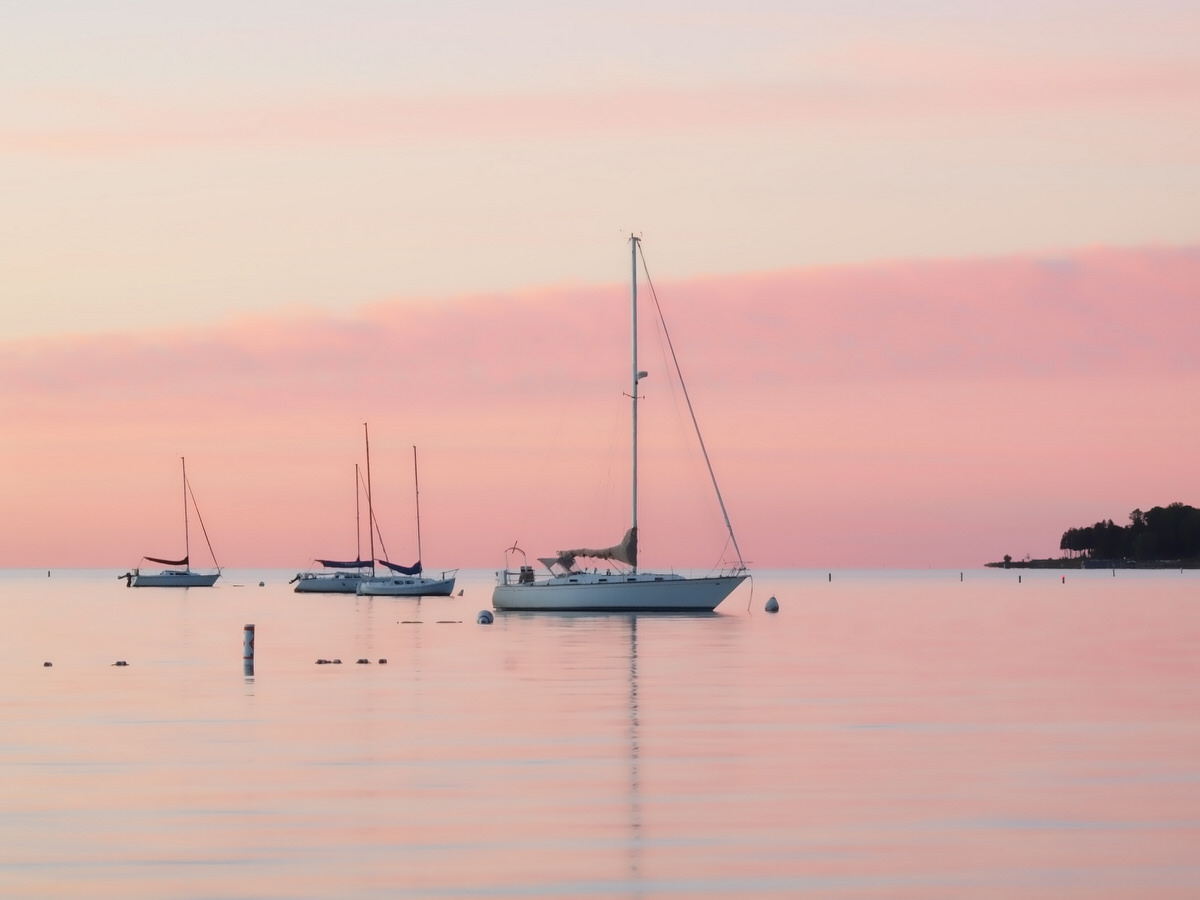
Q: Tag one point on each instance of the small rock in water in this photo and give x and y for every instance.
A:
(383, 662)
(772, 605)
(262, 584)
(47, 663)
(120, 662)
(485, 617)
(364, 662)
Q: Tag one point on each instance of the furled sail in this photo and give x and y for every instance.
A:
(339, 564)
(167, 562)
(625, 552)
(414, 569)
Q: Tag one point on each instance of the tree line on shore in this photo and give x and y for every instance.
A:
(1162, 533)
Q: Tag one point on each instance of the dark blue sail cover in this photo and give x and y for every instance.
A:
(339, 564)
(167, 562)
(414, 569)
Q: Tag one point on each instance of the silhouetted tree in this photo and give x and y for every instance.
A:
(1170, 532)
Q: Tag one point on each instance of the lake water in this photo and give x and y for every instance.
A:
(885, 735)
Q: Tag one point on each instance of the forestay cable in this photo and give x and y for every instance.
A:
(687, 398)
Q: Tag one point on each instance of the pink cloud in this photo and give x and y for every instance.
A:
(877, 83)
(916, 413)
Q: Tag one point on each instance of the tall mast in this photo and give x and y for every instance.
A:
(634, 242)
(370, 506)
(417, 492)
(187, 550)
(357, 520)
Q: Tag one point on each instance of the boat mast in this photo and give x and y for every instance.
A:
(357, 520)
(187, 550)
(417, 493)
(633, 248)
(370, 506)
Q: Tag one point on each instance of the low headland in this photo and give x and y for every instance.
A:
(1165, 537)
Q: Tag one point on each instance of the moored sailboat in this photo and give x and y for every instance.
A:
(405, 581)
(568, 587)
(346, 574)
(176, 576)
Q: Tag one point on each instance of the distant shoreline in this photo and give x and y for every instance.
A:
(1084, 562)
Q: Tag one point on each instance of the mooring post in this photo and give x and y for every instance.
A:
(248, 650)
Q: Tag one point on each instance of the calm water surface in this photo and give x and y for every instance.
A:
(885, 735)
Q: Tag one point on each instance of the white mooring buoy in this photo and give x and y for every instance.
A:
(772, 605)
(485, 617)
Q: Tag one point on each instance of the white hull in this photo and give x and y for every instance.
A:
(174, 579)
(599, 593)
(326, 583)
(406, 586)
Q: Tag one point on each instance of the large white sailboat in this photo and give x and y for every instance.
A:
(342, 576)
(404, 581)
(568, 587)
(178, 577)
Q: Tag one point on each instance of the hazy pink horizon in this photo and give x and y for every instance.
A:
(936, 413)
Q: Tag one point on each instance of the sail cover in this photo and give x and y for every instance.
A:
(625, 552)
(339, 564)
(414, 569)
(167, 562)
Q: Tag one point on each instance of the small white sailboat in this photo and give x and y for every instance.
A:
(346, 574)
(178, 577)
(570, 588)
(405, 581)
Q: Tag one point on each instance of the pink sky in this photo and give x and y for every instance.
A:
(894, 414)
(892, 84)
(222, 159)
(932, 272)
